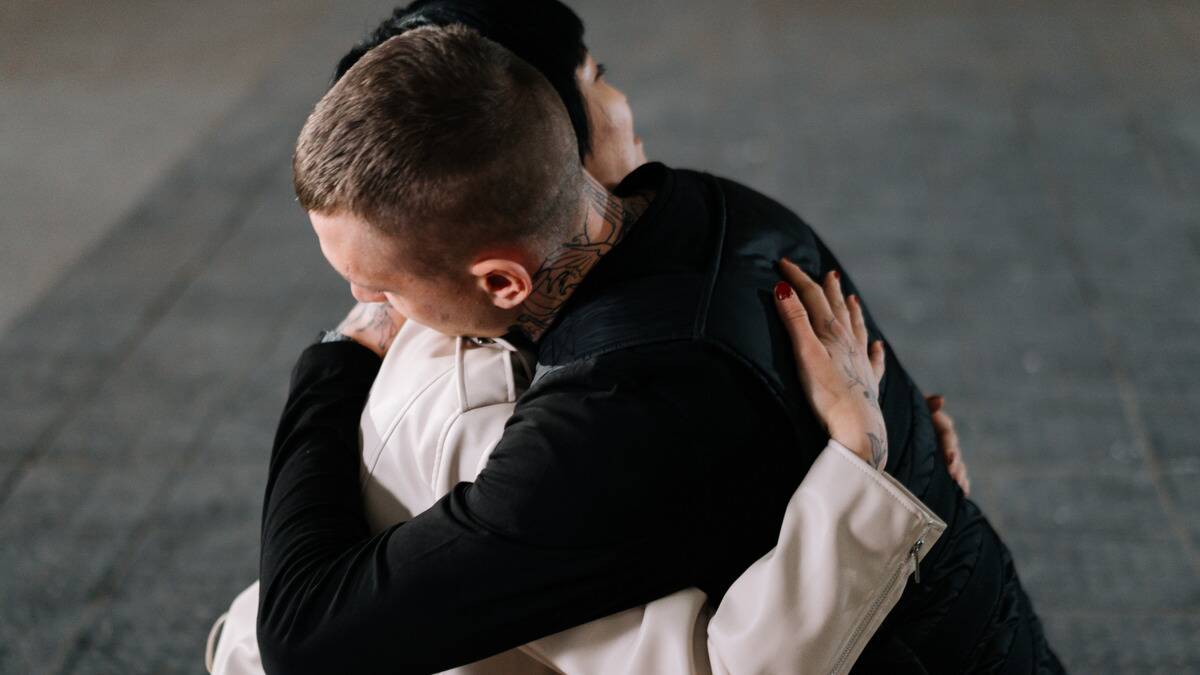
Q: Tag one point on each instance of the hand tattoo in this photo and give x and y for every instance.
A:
(852, 374)
(855, 379)
(878, 450)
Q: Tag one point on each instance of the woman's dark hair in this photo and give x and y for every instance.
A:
(545, 33)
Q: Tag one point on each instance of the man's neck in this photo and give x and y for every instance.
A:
(606, 220)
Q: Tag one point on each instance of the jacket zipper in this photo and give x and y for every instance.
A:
(912, 553)
(887, 591)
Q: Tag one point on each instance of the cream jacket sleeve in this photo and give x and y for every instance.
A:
(849, 539)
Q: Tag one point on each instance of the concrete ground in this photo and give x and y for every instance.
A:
(1015, 187)
(100, 99)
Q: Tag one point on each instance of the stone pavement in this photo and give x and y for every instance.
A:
(99, 99)
(1015, 188)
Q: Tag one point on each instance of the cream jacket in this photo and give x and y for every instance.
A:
(850, 538)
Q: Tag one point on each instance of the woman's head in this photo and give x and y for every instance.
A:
(616, 149)
(548, 36)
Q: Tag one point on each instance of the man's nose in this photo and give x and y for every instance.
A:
(363, 295)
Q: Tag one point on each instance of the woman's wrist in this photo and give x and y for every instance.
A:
(855, 443)
(869, 446)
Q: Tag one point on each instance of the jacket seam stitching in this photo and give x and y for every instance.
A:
(701, 324)
(440, 451)
(386, 437)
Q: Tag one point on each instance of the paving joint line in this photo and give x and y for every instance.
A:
(105, 590)
(155, 310)
(1126, 390)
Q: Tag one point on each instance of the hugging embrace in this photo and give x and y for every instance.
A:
(592, 414)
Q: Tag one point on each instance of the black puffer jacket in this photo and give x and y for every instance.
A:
(699, 267)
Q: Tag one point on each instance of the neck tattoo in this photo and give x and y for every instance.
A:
(606, 220)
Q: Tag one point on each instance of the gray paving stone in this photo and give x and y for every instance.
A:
(1116, 507)
(205, 535)
(1164, 644)
(1041, 432)
(1102, 575)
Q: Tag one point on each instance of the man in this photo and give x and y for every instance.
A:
(664, 430)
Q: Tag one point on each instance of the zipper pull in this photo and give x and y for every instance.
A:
(912, 553)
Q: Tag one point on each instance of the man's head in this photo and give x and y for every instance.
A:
(438, 173)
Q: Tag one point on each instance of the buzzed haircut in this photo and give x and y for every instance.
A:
(447, 141)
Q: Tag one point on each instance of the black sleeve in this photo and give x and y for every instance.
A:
(582, 510)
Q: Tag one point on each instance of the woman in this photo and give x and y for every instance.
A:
(647, 639)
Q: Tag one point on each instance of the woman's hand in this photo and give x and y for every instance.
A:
(373, 325)
(948, 441)
(840, 378)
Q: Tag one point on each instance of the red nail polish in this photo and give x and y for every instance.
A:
(837, 275)
(783, 291)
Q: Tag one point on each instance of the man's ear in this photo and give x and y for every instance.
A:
(508, 283)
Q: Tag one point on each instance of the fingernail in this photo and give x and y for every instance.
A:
(837, 276)
(783, 291)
